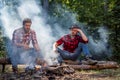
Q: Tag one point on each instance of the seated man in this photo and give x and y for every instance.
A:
(73, 44)
(22, 53)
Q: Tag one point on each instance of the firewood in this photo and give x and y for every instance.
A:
(73, 64)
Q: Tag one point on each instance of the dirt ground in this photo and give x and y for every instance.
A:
(105, 74)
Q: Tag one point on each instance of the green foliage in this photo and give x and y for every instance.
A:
(2, 45)
(91, 12)
(114, 19)
(94, 13)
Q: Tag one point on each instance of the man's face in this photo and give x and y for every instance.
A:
(74, 31)
(27, 27)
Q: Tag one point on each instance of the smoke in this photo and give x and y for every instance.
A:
(14, 12)
(100, 48)
(11, 19)
(12, 16)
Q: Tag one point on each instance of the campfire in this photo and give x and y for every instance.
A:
(39, 73)
(65, 71)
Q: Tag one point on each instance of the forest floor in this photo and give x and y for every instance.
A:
(105, 74)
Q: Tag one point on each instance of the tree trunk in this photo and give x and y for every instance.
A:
(45, 5)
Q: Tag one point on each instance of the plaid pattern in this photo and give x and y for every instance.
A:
(70, 44)
(19, 36)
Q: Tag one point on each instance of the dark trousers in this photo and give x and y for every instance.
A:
(65, 55)
(23, 56)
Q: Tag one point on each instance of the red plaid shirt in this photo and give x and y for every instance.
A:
(70, 44)
(19, 36)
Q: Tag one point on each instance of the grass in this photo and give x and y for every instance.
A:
(106, 74)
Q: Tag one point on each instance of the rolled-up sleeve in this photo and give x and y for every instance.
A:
(60, 41)
(82, 41)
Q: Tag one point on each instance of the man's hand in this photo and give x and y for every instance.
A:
(55, 50)
(26, 46)
(55, 47)
(79, 30)
(82, 34)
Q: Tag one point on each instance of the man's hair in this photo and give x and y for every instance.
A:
(27, 20)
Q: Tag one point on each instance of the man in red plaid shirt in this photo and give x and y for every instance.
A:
(21, 39)
(73, 44)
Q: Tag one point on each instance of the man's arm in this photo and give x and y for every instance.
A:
(57, 43)
(34, 41)
(82, 35)
(36, 46)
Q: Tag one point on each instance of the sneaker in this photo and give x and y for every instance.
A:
(88, 57)
(92, 62)
(89, 61)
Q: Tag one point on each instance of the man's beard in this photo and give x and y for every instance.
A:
(73, 34)
(26, 30)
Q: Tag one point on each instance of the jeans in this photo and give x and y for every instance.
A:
(23, 56)
(65, 55)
